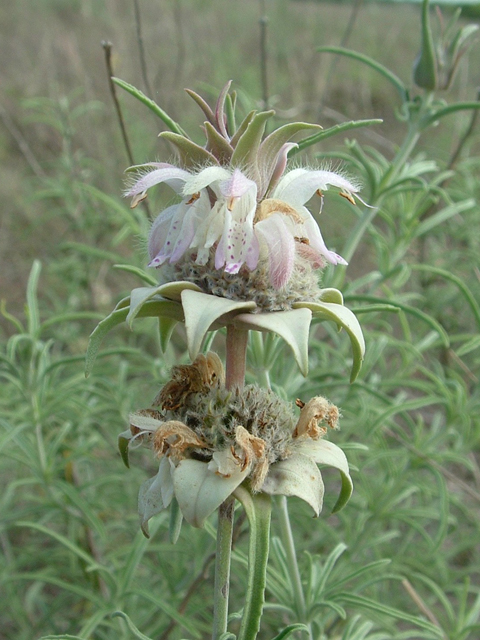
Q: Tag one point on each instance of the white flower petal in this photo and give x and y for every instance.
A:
(300, 189)
(205, 178)
(158, 232)
(293, 327)
(237, 185)
(200, 491)
(173, 176)
(281, 248)
(296, 476)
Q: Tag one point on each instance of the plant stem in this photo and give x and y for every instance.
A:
(237, 340)
(222, 567)
(286, 536)
(258, 508)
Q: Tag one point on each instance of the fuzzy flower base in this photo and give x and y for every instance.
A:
(247, 285)
(211, 439)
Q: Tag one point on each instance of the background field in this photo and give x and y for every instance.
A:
(72, 554)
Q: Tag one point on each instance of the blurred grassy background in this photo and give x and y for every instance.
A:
(416, 405)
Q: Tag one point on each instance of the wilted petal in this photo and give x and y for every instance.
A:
(297, 476)
(225, 463)
(199, 491)
(281, 248)
(325, 452)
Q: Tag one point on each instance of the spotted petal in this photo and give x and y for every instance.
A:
(293, 326)
(200, 491)
(296, 476)
(325, 452)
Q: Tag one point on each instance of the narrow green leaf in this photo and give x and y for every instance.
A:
(230, 114)
(332, 131)
(442, 216)
(63, 637)
(469, 297)
(136, 271)
(452, 108)
(33, 313)
(287, 631)
(371, 605)
(153, 106)
(191, 154)
(411, 310)
(131, 627)
(370, 62)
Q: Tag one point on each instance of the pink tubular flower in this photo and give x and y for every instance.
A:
(221, 209)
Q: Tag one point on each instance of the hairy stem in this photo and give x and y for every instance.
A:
(222, 567)
(237, 340)
(258, 508)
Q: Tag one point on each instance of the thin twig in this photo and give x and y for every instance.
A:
(421, 604)
(22, 143)
(180, 36)
(107, 48)
(141, 50)
(263, 21)
(461, 143)
(343, 43)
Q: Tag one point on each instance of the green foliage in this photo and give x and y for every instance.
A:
(402, 559)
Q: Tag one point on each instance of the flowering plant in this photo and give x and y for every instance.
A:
(239, 249)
